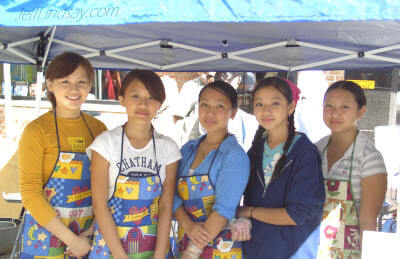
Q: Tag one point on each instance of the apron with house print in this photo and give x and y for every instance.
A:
(134, 208)
(340, 229)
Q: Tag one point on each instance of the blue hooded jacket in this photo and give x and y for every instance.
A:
(300, 190)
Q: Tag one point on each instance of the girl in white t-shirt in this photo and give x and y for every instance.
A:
(354, 172)
(133, 176)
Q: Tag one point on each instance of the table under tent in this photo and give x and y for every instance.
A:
(202, 35)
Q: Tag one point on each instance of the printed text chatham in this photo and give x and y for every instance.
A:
(143, 162)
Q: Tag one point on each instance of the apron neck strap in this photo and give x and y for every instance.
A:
(122, 146)
(58, 137)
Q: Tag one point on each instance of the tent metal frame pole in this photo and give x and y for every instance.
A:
(73, 45)
(321, 47)
(100, 83)
(47, 31)
(380, 50)
(131, 47)
(38, 92)
(324, 62)
(21, 42)
(20, 54)
(136, 61)
(48, 46)
(91, 55)
(262, 63)
(264, 47)
(196, 49)
(7, 98)
(190, 62)
(375, 57)
(217, 55)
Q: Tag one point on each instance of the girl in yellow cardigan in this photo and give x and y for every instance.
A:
(53, 165)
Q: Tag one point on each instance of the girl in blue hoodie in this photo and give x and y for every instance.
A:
(285, 194)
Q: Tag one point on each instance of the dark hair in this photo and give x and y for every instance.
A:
(225, 89)
(353, 88)
(284, 88)
(63, 65)
(149, 79)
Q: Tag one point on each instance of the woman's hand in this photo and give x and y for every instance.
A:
(80, 246)
(191, 252)
(199, 235)
(240, 229)
(88, 235)
(244, 211)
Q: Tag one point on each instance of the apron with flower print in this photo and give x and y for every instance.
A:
(68, 192)
(198, 195)
(134, 208)
(340, 229)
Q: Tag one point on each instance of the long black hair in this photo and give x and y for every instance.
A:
(284, 88)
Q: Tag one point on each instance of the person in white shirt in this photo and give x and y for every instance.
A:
(354, 173)
(133, 174)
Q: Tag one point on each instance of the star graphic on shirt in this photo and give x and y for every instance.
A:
(105, 253)
(29, 242)
(102, 243)
(42, 236)
(44, 247)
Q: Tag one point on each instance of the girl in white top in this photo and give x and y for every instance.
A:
(354, 172)
(133, 176)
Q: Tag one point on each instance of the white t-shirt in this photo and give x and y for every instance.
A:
(367, 161)
(108, 145)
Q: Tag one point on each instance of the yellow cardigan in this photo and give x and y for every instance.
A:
(38, 152)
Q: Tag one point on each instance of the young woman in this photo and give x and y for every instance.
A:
(354, 172)
(285, 194)
(212, 176)
(134, 177)
(53, 165)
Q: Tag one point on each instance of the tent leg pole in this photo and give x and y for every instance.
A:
(7, 100)
(100, 83)
(38, 95)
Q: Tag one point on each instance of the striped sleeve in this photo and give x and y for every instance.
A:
(372, 163)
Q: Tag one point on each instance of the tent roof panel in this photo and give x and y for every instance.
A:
(104, 12)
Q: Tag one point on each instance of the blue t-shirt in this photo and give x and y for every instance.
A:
(271, 157)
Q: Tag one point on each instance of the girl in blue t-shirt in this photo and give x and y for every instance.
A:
(212, 176)
(285, 193)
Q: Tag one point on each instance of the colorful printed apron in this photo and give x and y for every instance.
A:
(134, 207)
(340, 228)
(68, 192)
(198, 195)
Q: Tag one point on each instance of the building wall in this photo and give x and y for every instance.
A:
(334, 76)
